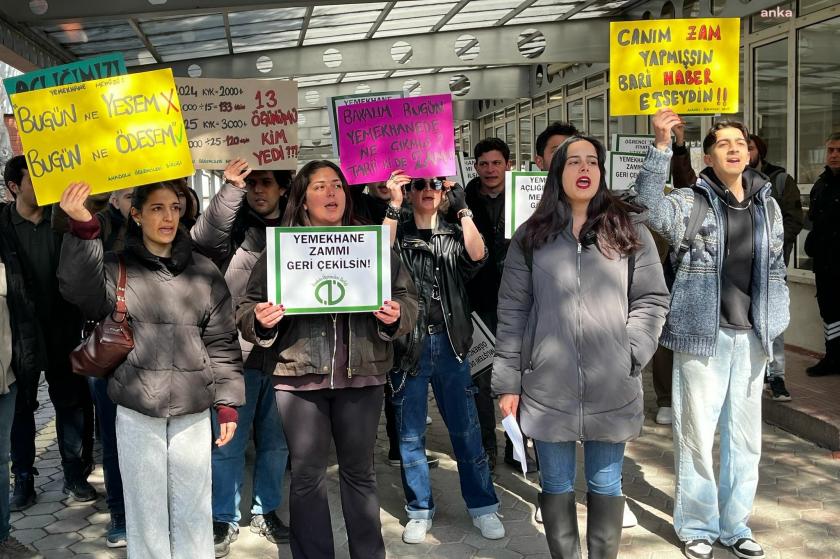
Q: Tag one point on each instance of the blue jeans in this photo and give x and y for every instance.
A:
(776, 367)
(7, 413)
(106, 412)
(724, 390)
(601, 461)
(455, 395)
(228, 462)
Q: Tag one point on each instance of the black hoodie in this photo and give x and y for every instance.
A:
(739, 224)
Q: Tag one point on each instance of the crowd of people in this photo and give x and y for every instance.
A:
(590, 288)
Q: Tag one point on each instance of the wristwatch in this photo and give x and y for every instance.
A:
(392, 213)
(466, 212)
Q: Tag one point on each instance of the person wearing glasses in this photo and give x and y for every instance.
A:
(441, 257)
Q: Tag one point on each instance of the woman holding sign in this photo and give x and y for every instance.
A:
(441, 258)
(581, 306)
(329, 370)
(186, 358)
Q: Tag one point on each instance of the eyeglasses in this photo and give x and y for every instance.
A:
(421, 184)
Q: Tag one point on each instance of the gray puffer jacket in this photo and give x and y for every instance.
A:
(572, 337)
(186, 357)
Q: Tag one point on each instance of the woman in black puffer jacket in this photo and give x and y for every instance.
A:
(186, 358)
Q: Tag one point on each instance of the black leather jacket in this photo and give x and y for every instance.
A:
(447, 253)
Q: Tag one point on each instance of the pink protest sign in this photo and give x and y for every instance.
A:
(414, 134)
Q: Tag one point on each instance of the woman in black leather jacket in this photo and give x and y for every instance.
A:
(441, 257)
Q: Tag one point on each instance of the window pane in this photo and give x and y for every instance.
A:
(770, 89)
(540, 124)
(818, 99)
(818, 109)
(510, 139)
(575, 112)
(808, 6)
(595, 114)
(525, 135)
(556, 113)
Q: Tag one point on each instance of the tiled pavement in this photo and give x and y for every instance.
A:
(797, 511)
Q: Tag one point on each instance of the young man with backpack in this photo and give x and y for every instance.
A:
(729, 302)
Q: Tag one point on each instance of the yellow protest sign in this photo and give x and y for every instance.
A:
(112, 133)
(688, 65)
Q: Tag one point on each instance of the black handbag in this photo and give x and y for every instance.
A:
(110, 341)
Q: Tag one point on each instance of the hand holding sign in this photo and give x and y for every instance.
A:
(456, 195)
(395, 184)
(388, 313)
(236, 171)
(73, 202)
(268, 314)
(663, 122)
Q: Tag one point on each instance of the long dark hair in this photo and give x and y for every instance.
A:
(608, 220)
(296, 215)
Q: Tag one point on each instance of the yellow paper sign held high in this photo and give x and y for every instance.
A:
(688, 65)
(112, 133)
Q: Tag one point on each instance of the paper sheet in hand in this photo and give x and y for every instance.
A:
(515, 434)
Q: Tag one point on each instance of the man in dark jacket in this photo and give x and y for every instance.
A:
(26, 227)
(232, 232)
(823, 245)
(486, 199)
(786, 193)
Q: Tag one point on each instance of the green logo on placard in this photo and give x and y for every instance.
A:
(329, 292)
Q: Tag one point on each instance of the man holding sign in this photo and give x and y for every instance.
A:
(729, 301)
(329, 362)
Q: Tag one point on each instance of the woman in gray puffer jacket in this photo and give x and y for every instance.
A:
(186, 358)
(581, 306)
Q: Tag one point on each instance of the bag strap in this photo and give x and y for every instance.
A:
(120, 309)
(699, 207)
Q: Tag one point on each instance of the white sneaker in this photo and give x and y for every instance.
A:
(415, 530)
(490, 525)
(630, 519)
(538, 516)
(665, 416)
(428, 420)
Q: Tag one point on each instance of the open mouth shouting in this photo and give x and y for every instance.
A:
(583, 183)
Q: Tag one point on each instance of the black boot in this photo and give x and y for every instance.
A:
(24, 494)
(604, 516)
(560, 521)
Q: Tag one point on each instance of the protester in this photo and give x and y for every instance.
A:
(185, 360)
(328, 370)
(581, 305)
(232, 233)
(823, 245)
(26, 227)
(549, 140)
(18, 353)
(729, 301)
(441, 257)
(786, 192)
(486, 198)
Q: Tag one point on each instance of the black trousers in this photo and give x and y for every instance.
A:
(828, 300)
(71, 399)
(350, 417)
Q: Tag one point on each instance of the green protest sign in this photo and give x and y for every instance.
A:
(98, 67)
(317, 270)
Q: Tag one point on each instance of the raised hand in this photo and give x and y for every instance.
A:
(73, 202)
(236, 171)
(663, 122)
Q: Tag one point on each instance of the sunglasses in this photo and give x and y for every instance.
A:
(420, 184)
